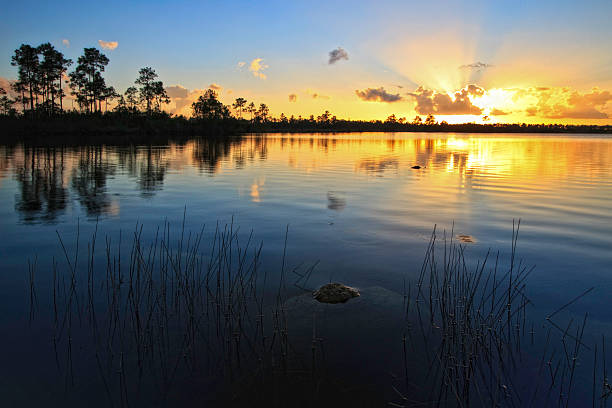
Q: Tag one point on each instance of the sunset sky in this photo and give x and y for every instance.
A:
(515, 61)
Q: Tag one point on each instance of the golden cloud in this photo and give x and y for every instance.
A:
(108, 45)
(256, 67)
(432, 102)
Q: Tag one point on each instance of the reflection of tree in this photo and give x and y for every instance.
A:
(209, 153)
(89, 179)
(378, 166)
(152, 171)
(42, 195)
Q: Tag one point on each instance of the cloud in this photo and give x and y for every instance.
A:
(316, 95)
(431, 102)
(499, 112)
(378, 95)
(181, 99)
(240, 64)
(337, 55)
(560, 103)
(215, 87)
(6, 85)
(256, 67)
(477, 66)
(66, 42)
(292, 98)
(177, 91)
(108, 45)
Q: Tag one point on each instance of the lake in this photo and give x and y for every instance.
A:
(351, 205)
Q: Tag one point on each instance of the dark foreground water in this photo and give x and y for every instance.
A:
(354, 207)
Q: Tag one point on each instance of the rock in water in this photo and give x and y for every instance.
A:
(416, 167)
(335, 293)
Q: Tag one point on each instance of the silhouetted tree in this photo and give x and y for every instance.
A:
(263, 112)
(324, 118)
(51, 69)
(391, 119)
(417, 120)
(161, 97)
(430, 120)
(239, 105)
(87, 82)
(109, 95)
(131, 98)
(209, 107)
(26, 59)
(251, 109)
(6, 103)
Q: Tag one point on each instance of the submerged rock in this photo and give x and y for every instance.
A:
(416, 167)
(335, 293)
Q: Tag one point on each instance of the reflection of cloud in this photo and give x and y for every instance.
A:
(292, 98)
(337, 55)
(378, 95)
(430, 102)
(255, 189)
(477, 66)
(334, 201)
(256, 67)
(108, 45)
(66, 42)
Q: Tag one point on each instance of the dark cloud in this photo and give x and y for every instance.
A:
(378, 95)
(337, 55)
(431, 102)
(477, 66)
(292, 98)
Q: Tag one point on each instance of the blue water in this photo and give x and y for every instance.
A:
(352, 202)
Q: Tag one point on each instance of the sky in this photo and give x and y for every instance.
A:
(511, 61)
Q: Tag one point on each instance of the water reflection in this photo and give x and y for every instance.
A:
(51, 179)
(335, 201)
(89, 180)
(42, 193)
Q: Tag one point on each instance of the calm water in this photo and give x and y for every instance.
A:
(353, 202)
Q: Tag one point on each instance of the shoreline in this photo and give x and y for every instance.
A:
(129, 128)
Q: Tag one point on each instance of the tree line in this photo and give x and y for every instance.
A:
(42, 75)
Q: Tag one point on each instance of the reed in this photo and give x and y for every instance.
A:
(196, 305)
(471, 323)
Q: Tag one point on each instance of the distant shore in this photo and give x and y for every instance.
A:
(140, 128)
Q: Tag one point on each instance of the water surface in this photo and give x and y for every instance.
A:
(353, 202)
